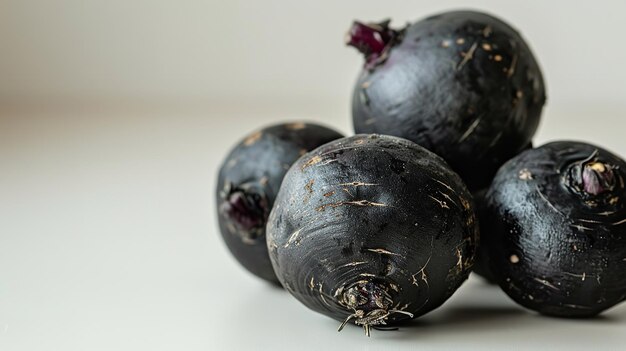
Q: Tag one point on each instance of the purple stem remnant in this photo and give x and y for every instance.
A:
(597, 178)
(371, 39)
(246, 210)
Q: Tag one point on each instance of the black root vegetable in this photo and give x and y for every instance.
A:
(556, 234)
(462, 84)
(248, 182)
(372, 229)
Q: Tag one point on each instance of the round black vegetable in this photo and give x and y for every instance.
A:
(372, 229)
(462, 84)
(557, 229)
(248, 182)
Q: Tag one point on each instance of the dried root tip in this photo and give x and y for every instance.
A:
(247, 208)
(371, 304)
(385, 328)
(343, 324)
(371, 39)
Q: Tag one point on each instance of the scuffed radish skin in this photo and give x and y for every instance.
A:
(555, 229)
(372, 230)
(462, 84)
(248, 181)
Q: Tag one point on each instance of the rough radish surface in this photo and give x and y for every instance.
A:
(248, 182)
(372, 229)
(556, 229)
(463, 84)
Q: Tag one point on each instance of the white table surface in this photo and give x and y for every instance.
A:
(108, 241)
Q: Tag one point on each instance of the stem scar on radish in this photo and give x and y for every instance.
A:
(248, 181)
(462, 84)
(554, 229)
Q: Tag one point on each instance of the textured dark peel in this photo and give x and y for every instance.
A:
(248, 181)
(370, 246)
(556, 243)
(462, 84)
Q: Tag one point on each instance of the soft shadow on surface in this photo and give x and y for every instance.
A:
(470, 315)
(467, 316)
(273, 286)
(477, 311)
(455, 322)
(607, 317)
(479, 307)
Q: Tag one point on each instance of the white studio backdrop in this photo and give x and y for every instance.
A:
(268, 52)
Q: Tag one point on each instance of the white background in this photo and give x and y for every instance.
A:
(115, 115)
